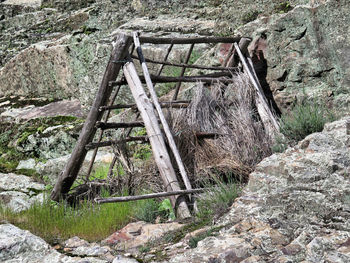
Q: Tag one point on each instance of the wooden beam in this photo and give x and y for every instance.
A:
(119, 125)
(183, 69)
(71, 170)
(180, 65)
(264, 110)
(223, 77)
(189, 40)
(155, 137)
(163, 104)
(148, 196)
(166, 127)
(94, 145)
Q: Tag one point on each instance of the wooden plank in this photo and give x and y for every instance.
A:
(119, 125)
(148, 196)
(180, 65)
(189, 40)
(264, 110)
(160, 153)
(70, 171)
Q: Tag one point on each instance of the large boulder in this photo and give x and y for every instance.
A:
(305, 52)
(19, 192)
(295, 207)
(18, 245)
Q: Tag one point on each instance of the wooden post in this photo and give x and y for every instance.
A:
(264, 110)
(160, 153)
(71, 170)
(160, 113)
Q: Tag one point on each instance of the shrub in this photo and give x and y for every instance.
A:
(304, 119)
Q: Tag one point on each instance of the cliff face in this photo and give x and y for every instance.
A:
(58, 49)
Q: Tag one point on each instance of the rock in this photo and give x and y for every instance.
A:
(121, 259)
(137, 234)
(19, 192)
(31, 3)
(18, 245)
(294, 208)
(80, 247)
(304, 52)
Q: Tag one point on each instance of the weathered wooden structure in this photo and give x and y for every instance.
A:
(150, 109)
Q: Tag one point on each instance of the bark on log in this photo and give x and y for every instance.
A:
(194, 40)
(160, 153)
(70, 172)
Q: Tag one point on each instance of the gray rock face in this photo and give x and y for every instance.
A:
(19, 192)
(307, 52)
(295, 208)
(18, 245)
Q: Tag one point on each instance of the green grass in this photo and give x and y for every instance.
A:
(304, 119)
(56, 222)
(217, 200)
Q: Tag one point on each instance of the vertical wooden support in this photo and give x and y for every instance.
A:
(264, 110)
(160, 114)
(178, 85)
(156, 139)
(71, 170)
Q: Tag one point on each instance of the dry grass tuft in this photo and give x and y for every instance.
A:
(230, 112)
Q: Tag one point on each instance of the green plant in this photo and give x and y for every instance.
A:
(147, 211)
(283, 7)
(304, 119)
(193, 241)
(166, 207)
(217, 199)
(280, 144)
(92, 222)
(250, 16)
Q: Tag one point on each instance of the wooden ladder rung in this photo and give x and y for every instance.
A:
(118, 125)
(164, 104)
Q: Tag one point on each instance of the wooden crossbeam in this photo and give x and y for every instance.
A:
(223, 77)
(163, 104)
(188, 40)
(148, 196)
(180, 65)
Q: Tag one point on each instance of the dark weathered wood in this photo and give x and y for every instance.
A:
(148, 196)
(223, 77)
(163, 104)
(70, 172)
(160, 153)
(94, 145)
(118, 125)
(180, 65)
(178, 85)
(190, 40)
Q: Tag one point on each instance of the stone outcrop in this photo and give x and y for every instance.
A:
(18, 245)
(305, 53)
(19, 192)
(295, 207)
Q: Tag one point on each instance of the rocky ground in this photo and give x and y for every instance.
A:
(295, 207)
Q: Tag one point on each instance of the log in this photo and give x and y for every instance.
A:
(180, 65)
(118, 125)
(71, 170)
(160, 153)
(189, 40)
(163, 104)
(178, 85)
(264, 110)
(166, 127)
(208, 78)
(94, 145)
(147, 196)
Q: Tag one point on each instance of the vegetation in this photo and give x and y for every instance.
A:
(59, 221)
(304, 119)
